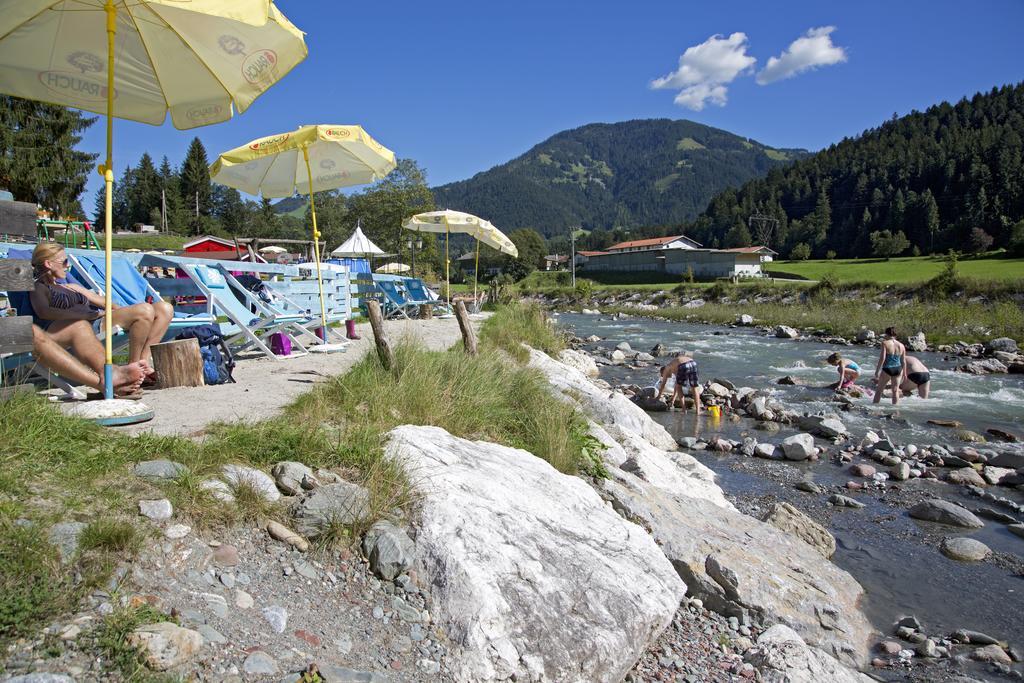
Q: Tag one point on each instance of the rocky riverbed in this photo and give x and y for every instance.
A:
(923, 524)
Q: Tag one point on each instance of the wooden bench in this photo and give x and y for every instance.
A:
(15, 331)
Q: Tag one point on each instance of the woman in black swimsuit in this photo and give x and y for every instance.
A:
(917, 377)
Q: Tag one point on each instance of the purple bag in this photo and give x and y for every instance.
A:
(281, 344)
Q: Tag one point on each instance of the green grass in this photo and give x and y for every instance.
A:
(147, 242)
(902, 271)
(108, 642)
(942, 322)
(512, 326)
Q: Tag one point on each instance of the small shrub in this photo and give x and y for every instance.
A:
(979, 241)
(800, 252)
(584, 289)
(830, 255)
(563, 278)
(689, 275)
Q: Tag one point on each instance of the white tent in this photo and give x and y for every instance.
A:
(357, 246)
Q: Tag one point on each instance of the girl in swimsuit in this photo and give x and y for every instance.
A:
(892, 362)
(62, 304)
(849, 371)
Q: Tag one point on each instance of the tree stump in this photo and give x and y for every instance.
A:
(178, 364)
(426, 311)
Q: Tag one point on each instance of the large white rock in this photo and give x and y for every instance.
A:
(532, 575)
(737, 564)
(606, 407)
(580, 361)
(782, 656)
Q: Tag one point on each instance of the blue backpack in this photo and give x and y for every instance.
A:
(217, 361)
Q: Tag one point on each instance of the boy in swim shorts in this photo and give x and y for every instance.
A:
(684, 368)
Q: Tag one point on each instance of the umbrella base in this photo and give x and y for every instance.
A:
(329, 348)
(112, 412)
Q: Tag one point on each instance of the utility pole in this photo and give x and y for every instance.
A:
(573, 255)
(761, 228)
(163, 211)
(197, 203)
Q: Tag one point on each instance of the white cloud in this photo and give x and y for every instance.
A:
(810, 51)
(705, 70)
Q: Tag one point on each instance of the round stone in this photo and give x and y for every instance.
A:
(965, 549)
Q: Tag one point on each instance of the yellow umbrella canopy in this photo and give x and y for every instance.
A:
(308, 160)
(448, 221)
(139, 59)
(198, 60)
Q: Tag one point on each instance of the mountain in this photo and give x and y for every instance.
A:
(949, 177)
(293, 206)
(604, 175)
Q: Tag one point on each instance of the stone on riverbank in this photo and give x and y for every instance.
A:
(917, 343)
(534, 547)
(945, 512)
(740, 565)
(786, 332)
(160, 470)
(1004, 344)
(608, 408)
(261, 483)
(787, 518)
(966, 476)
(782, 656)
(288, 476)
(389, 550)
(580, 361)
(798, 447)
(964, 549)
(826, 426)
(165, 645)
(326, 507)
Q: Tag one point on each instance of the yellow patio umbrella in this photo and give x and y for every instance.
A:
(139, 60)
(448, 221)
(281, 165)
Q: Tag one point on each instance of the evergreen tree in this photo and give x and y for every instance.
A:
(99, 207)
(123, 192)
(171, 188)
(230, 210)
(38, 159)
(145, 191)
(738, 236)
(195, 186)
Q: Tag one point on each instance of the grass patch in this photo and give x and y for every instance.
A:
(904, 271)
(111, 535)
(33, 585)
(524, 323)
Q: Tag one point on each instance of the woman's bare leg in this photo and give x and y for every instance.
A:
(162, 314)
(137, 320)
(79, 336)
(52, 356)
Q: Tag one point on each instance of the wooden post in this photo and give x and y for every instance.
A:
(387, 356)
(426, 311)
(468, 335)
(178, 364)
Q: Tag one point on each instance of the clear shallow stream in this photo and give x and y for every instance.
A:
(895, 558)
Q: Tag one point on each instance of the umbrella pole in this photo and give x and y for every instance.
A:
(316, 248)
(476, 271)
(107, 170)
(447, 262)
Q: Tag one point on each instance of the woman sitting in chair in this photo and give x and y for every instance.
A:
(56, 300)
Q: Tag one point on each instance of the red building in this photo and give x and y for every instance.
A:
(209, 246)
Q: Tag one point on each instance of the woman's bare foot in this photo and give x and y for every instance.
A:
(128, 378)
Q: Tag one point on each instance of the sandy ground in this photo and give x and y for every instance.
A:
(263, 386)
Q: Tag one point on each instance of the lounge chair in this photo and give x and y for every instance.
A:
(128, 287)
(251, 321)
(398, 304)
(418, 290)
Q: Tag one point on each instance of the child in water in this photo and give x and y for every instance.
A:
(685, 370)
(849, 371)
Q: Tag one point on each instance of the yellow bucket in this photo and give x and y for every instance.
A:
(714, 411)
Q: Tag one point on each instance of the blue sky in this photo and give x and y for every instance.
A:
(462, 86)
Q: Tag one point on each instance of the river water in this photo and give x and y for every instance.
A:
(895, 558)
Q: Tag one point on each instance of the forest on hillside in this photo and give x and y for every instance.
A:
(620, 175)
(951, 177)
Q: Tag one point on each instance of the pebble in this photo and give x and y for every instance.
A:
(156, 510)
(259, 662)
(176, 531)
(991, 653)
(228, 580)
(243, 600)
(378, 612)
(843, 501)
(277, 617)
(210, 634)
(226, 555)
